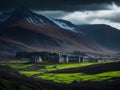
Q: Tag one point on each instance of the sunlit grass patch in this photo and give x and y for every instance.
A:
(29, 73)
(16, 63)
(19, 65)
(106, 75)
(70, 77)
(65, 66)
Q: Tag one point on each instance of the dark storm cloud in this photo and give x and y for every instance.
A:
(66, 5)
(76, 11)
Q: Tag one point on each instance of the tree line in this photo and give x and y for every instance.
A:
(43, 54)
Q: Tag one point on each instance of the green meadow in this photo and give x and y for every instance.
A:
(70, 77)
(35, 70)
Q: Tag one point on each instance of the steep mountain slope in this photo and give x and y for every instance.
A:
(25, 30)
(65, 24)
(101, 34)
(104, 35)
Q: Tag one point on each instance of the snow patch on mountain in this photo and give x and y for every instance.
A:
(34, 20)
(37, 19)
(64, 25)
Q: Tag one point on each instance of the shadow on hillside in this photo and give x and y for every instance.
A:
(93, 69)
(10, 79)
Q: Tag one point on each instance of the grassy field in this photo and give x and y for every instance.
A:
(70, 77)
(44, 72)
(52, 67)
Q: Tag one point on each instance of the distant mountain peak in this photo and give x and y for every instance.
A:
(21, 13)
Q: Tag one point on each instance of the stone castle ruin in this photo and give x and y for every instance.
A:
(70, 57)
(60, 57)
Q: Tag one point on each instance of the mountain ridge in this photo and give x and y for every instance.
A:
(47, 35)
(102, 34)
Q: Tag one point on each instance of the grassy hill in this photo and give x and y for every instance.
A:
(10, 79)
(52, 76)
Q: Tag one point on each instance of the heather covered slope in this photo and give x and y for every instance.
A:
(10, 79)
(27, 31)
(102, 34)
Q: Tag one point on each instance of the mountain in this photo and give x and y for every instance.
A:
(25, 30)
(102, 34)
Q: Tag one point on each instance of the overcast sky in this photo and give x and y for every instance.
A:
(76, 11)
